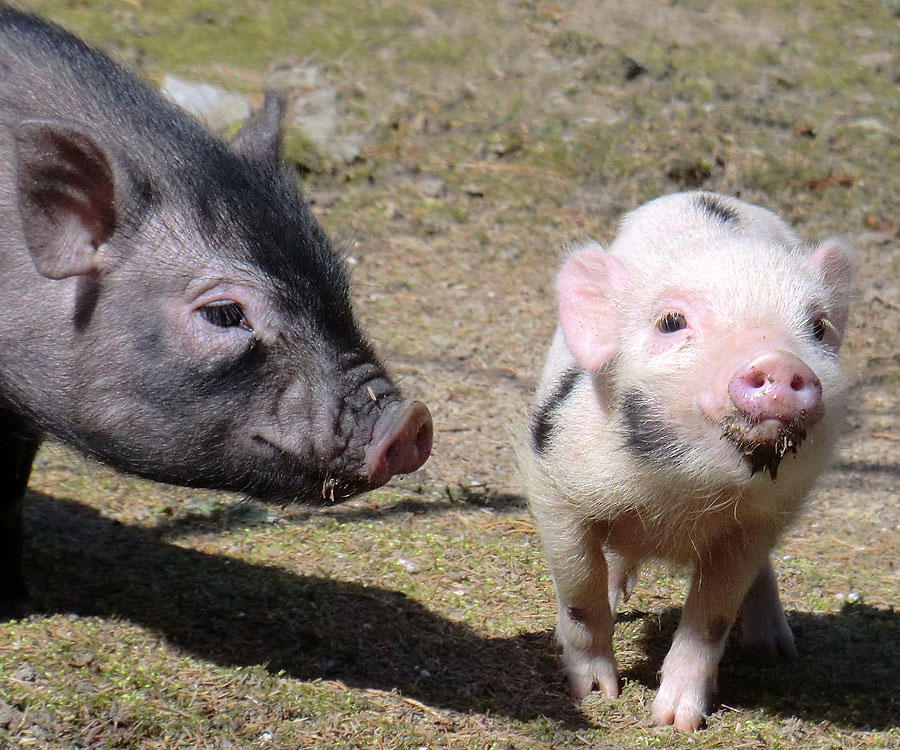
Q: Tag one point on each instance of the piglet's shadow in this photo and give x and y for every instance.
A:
(847, 671)
(234, 613)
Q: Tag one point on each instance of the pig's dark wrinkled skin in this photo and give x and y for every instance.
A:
(690, 399)
(171, 307)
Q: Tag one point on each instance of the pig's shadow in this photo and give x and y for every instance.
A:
(234, 613)
(847, 672)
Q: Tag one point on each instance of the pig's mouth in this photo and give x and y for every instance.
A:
(287, 480)
(764, 443)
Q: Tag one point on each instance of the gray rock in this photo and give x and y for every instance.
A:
(216, 107)
(316, 116)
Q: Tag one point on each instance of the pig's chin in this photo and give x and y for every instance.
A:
(308, 488)
(284, 478)
(764, 443)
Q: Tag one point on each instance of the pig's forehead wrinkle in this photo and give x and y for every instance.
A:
(259, 210)
(765, 279)
(182, 250)
(273, 248)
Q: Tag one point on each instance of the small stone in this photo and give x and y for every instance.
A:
(25, 673)
(10, 718)
(217, 107)
(317, 118)
(419, 123)
(432, 187)
(503, 143)
(631, 68)
(687, 172)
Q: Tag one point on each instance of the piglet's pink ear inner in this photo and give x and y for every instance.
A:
(832, 263)
(587, 286)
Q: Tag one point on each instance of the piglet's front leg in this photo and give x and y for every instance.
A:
(585, 624)
(689, 671)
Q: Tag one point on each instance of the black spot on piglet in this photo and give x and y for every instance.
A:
(542, 419)
(715, 209)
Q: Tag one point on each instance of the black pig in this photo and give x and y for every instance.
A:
(170, 305)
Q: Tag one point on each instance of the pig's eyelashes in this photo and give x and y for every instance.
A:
(225, 314)
(822, 327)
(671, 322)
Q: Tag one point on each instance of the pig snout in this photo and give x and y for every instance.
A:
(401, 442)
(776, 386)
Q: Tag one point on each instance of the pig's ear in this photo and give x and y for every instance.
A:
(832, 264)
(587, 287)
(260, 137)
(66, 196)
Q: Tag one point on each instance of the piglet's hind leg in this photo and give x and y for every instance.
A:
(761, 626)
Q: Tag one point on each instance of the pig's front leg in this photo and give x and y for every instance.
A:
(17, 451)
(585, 627)
(761, 625)
(720, 581)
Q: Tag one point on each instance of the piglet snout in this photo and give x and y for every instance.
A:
(776, 385)
(401, 441)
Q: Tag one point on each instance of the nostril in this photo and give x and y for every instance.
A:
(393, 453)
(756, 379)
(409, 449)
(798, 383)
(423, 440)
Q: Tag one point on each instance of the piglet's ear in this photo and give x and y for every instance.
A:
(66, 197)
(260, 137)
(832, 264)
(587, 287)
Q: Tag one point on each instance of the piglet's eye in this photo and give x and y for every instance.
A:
(820, 327)
(225, 314)
(671, 322)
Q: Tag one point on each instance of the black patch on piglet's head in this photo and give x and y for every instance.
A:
(715, 209)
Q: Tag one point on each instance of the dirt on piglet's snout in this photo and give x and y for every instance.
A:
(763, 454)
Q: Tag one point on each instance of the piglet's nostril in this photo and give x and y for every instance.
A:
(755, 379)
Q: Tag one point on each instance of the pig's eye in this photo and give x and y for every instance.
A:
(820, 327)
(671, 322)
(225, 314)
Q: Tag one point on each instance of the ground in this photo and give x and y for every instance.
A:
(491, 136)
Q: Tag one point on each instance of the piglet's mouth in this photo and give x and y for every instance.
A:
(764, 443)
